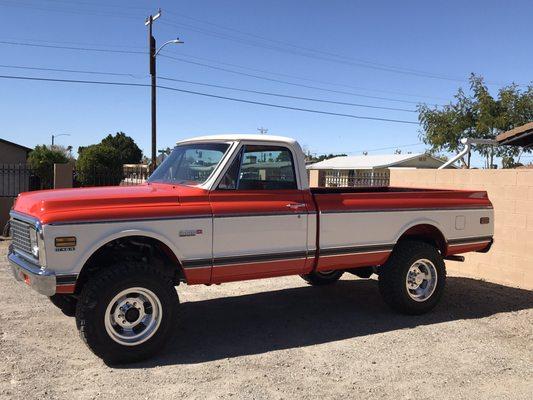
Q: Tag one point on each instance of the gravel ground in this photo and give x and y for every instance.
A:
(281, 339)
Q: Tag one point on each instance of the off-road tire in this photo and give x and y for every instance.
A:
(393, 275)
(316, 278)
(100, 290)
(66, 303)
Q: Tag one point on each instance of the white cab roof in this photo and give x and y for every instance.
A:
(240, 137)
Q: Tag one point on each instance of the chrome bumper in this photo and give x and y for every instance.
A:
(43, 282)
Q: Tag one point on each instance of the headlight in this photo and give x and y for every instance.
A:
(34, 243)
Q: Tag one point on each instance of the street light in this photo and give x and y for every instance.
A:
(175, 41)
(61, 134)
(153, 54)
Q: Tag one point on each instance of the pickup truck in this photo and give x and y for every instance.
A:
(231, 208)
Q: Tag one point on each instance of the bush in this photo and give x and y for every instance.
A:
(42, 160)
(99, 165)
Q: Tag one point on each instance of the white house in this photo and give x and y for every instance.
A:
(366, 170)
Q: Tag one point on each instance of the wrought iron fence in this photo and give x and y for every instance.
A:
(356, 179)
(128, 175)
(17, 178)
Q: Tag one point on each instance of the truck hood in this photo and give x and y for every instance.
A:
(110, 203)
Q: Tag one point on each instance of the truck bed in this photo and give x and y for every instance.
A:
(360, 226)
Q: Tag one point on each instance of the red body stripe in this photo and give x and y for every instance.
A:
(466, 247)
(328, 263)
(65, 289)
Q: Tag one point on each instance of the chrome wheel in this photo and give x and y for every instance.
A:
(421, 280)
(133, 316)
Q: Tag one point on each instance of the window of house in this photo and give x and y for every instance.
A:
(261, 168)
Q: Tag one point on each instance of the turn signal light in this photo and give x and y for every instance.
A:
(66, 241)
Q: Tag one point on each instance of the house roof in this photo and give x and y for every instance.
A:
(519, 136)
(16, 145)
(368, 161)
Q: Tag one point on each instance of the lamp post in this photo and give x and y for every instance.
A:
(153, 54)
(61, 134)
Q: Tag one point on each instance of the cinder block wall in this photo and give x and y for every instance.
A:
(510, 261)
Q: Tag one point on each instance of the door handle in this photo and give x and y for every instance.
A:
(296, 206)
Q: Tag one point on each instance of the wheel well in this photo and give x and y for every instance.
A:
(426, 233)
(138, 248)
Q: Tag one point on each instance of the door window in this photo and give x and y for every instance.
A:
(261, 168)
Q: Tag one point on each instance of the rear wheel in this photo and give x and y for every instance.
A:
(412, 280)
(126, 312)
(320, 278)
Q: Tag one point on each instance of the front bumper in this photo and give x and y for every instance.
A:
(42, 281)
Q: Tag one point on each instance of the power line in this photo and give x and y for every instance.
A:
(388, 148)
(78, 71)
(209, 95)
(316, 54)
(287, 96)
(13, 43)
(62, 47)
(18, 43)
(309, 79)
(285, 82)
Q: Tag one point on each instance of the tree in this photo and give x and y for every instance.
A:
(322, 157)
(478, 115)
(42, 160)
(130, 153)
(99, 164)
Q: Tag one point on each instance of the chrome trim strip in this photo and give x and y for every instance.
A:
(347, 250)
(112, 221)
(469, 240)
(263, 214)
(199, 216)
(354, 254)
(369, 210)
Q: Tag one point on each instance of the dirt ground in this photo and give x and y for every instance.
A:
(281, 339)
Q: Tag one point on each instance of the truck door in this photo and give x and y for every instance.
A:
(260, 216)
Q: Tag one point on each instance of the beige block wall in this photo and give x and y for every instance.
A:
(510, 261)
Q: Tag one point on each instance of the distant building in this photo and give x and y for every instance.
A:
(13, 153)
(520, 136)
(366, 170)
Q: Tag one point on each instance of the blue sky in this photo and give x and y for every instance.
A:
(356, 47)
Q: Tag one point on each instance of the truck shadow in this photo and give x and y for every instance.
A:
(257, 323)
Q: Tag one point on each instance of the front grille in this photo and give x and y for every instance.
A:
(20, 233)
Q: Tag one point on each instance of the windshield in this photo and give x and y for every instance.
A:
(190, 164)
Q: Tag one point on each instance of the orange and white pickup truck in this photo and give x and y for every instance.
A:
(231, 208)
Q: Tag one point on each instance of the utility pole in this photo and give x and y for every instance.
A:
(151, 44)
(61, 134)
(262, 131)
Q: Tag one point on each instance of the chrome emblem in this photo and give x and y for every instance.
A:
(191, 232)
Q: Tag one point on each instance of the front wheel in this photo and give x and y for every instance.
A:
(126, 312)
(413, 278)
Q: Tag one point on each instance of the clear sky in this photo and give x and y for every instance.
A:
(409, 52)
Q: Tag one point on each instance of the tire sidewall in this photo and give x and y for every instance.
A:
(432, 255)
(94, 314)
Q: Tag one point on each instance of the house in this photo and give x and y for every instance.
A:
(366, 170)
(13, 153)
(520, 136)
